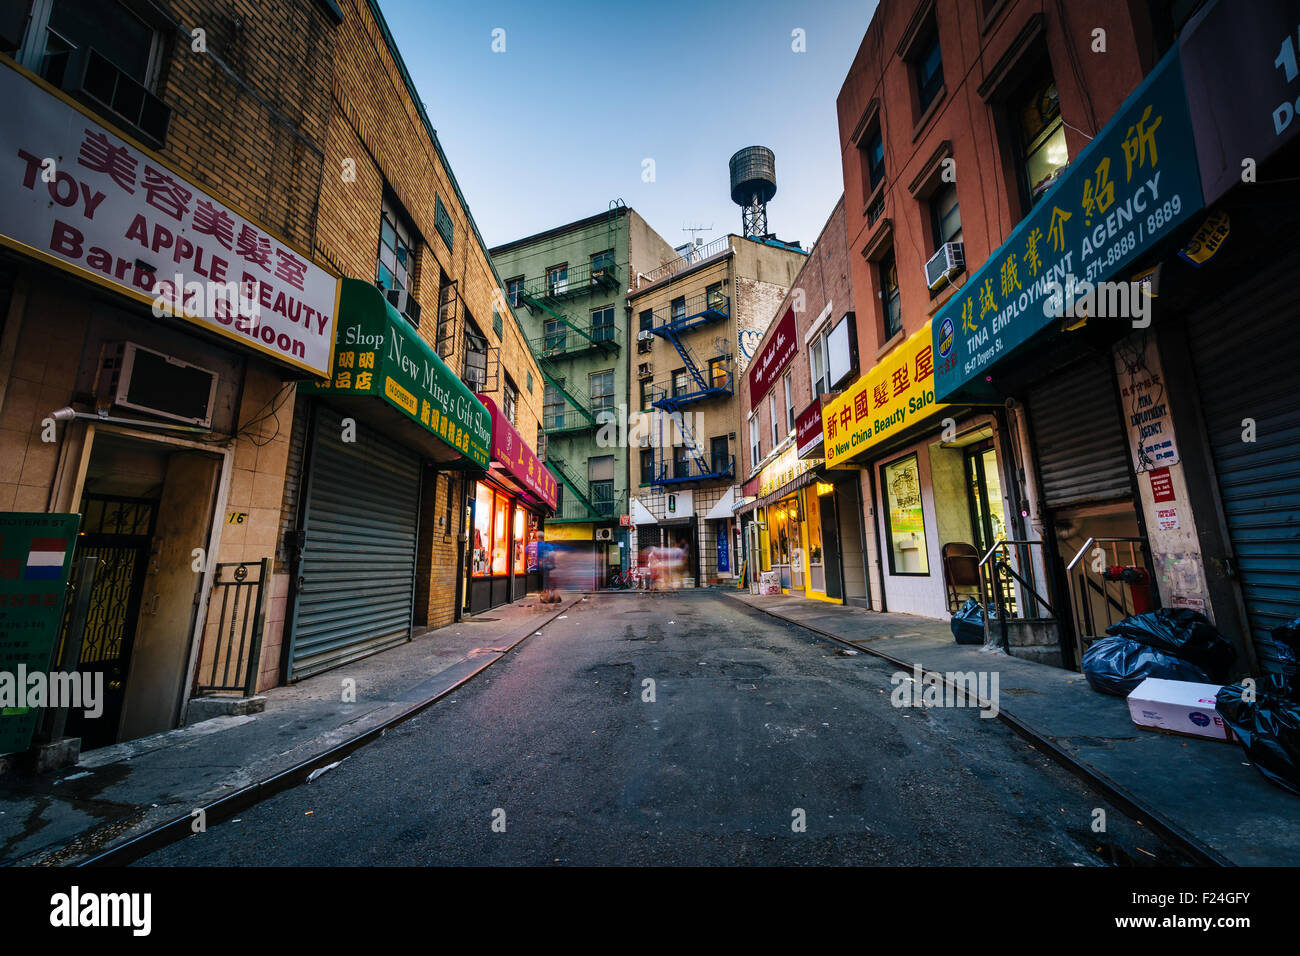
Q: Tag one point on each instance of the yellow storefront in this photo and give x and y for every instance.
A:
(790, 525)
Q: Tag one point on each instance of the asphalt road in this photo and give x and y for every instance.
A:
(553, 757)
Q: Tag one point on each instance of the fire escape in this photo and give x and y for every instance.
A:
(565, 339)
(692, 462)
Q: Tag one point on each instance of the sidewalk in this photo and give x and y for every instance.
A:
(115, 793)
(1204, 788)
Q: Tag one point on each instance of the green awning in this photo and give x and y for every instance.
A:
(378, 354)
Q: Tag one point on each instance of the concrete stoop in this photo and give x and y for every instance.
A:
(1031, 639)
(205, 708)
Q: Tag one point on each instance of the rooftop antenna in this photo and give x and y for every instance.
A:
(753, 184)
(695, 240)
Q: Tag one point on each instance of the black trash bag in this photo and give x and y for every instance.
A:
(968, 623)
(1281, 654)
(1116, 665)
(1268, 728)
(1184, 633)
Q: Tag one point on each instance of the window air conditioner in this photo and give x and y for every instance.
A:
(645, 369)
(645, 335)
(944, 264)
(405, 303)
(132, 376)
(604, 534)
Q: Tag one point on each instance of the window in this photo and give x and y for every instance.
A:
(602, 263)
(771, 408)
(888, 276)
(713, 297)
(680, 382)
(755, 441)
(681, 462)
(678, 308)
(515, 291)
(71, 26)
(929, 69)
(442, 221)
(873, 165)
(817, 365)
(557, 279)
(541, 443)
(904, 517)
(491, 538)
(600, 481)
(647, 320)
(718, 376)
(720, 454)
(789, 404)
(601, 390)
(510, 401)
(647, 392)
(476, 348)
(395, 259)
(602, 324)
(555, 335)
(553, 407)
(647, 465)
(1044, 153)
(945, 215)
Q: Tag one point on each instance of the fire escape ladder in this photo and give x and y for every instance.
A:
(576, 486)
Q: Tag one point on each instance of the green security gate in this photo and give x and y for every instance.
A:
(356, 572)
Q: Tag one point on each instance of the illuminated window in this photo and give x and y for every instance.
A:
(905, 517)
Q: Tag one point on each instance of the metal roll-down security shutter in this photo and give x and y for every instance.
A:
(1245, 370)
(1078, 435)
(358, 562)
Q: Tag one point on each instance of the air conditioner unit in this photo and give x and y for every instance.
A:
(604, 534)
(645, 369)
(474, 378)
(559, 288)
(645, 335)
(944, 264)
(405, 303)
(132, 376)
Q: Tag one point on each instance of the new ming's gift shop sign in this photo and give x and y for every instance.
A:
(1130, 188)
(380, 355)
(75, 194)
(518, 460)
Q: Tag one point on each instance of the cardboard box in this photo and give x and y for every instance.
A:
(1179, 707)
(769, 582)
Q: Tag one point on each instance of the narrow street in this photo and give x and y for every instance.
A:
(752, 719)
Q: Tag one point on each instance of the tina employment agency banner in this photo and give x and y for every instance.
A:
(1129, 188)
(78, 196)
(896, 393)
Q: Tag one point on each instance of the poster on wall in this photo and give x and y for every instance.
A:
(1146, 407)
(724, 556)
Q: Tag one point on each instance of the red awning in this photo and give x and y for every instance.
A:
(514, 458)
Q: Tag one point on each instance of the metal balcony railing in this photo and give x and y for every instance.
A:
(580, 279)
(567, 343)
(693, 468)
(711, 381)
(695, 311)
(598, 509)
(697, 255)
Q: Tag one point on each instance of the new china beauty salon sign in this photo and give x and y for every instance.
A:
(774, 357)
(80, 197)
(514, 455)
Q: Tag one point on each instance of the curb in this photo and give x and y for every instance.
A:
(1200, 852)
(223, 808)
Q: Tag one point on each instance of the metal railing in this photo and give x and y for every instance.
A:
(566, 342)
(697, 255)
(575, 509)
(696, 310)
(240, 588)
(579, 279)
(693, 468)
(1010, 587)
(1102, 585)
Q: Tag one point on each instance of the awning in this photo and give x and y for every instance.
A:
(641, 514)
(516, 462)
(1128, 190)
(378, 355)
(807, 478)
(724, 506)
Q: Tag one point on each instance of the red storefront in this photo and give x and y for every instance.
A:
(508, 508)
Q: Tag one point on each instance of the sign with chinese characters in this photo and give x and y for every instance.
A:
(724, 553)
(1147, 420)
(1129, 188)
(772, 358)
(808, 430)
(894, 394)
(35, 563)
(784, 469)
(77, 196)
(380, 354)
(514, 454)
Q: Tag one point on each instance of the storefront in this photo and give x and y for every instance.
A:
(506, 519)
(391, 417)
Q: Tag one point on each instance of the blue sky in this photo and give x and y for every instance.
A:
(558, 125)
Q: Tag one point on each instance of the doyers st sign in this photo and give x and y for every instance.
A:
(78, 196)
(773, 357)
(379, 354)
(1129, 188)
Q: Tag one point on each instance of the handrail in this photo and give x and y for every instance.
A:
(1091, 541)
(991, 594)
(697, 255)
